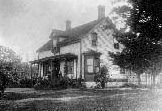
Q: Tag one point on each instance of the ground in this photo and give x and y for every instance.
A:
(111, 99)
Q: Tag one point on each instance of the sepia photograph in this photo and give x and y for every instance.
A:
(80, 55)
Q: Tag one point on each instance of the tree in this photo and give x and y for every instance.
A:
(142, 44)
(8, 64)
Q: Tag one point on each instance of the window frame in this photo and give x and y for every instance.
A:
(95, 64)
(91, 65)
(70, 65)
(94, 38)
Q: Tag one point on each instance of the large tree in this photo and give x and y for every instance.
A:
(142, 44)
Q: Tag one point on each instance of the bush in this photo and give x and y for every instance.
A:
(61, 83)
(3, 83)
(101, 79)
(74, 83)
(26, 83)
(129, 85)
(42, 83)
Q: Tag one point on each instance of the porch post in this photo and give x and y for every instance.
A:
(65, 68)
(38, 69)
(76, 62)
(51, 70)
(31, 71)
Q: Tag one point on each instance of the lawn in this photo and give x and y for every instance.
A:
(82, 100)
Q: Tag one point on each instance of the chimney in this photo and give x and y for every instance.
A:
(101, 11)
(68, 25)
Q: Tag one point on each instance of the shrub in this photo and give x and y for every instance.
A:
(67, 82)
(42, 83)
(101, 78)
(26, 83)
(3, 83)
(129, 85)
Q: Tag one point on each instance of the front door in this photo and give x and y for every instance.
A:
(55, 71)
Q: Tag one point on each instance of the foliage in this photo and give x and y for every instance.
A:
(142, 44)
(129, 85)
(67, 82)
(14, 68)
(102, 78)
(9, 61)
(27, 83)
(3, 82)
(42, 83)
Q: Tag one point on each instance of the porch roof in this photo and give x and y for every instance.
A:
(92, 52)
(56, 57)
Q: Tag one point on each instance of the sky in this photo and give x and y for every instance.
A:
(25, 25)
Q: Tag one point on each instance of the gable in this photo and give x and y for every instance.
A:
(46, 46)
(74, 34)
(105, 41)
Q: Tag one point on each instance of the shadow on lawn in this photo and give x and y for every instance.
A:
(18, 96)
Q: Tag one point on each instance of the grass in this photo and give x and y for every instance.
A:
(79, 100)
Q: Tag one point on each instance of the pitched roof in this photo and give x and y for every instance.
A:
(72, 35)
(55, 57)
(55, 32)
(45, 47)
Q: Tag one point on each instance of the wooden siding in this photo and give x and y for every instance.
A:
(45, 54)
(105, 43)
(74, 49)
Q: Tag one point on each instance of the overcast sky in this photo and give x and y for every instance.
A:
(25, 25)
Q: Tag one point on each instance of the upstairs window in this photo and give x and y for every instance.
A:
(94, 39)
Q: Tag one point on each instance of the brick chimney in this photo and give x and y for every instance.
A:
(68, 25)
(101, 11)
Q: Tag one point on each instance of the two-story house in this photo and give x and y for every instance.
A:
(79, 52)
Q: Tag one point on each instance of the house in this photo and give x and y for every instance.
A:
(79, 52)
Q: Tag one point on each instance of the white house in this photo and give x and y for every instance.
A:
(79, 52)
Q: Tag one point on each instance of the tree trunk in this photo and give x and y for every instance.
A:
(146, 80)
(139, 79)
(154, 81)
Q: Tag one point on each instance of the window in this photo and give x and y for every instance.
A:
(92, 65)
(97, 65)
(70, 67)
(55, 49)
(94, 39)
(45, 69)
(116, 45)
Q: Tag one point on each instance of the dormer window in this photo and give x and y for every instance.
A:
(55, 49)
(94, 39)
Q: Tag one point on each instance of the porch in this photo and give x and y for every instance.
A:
(52, 68)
